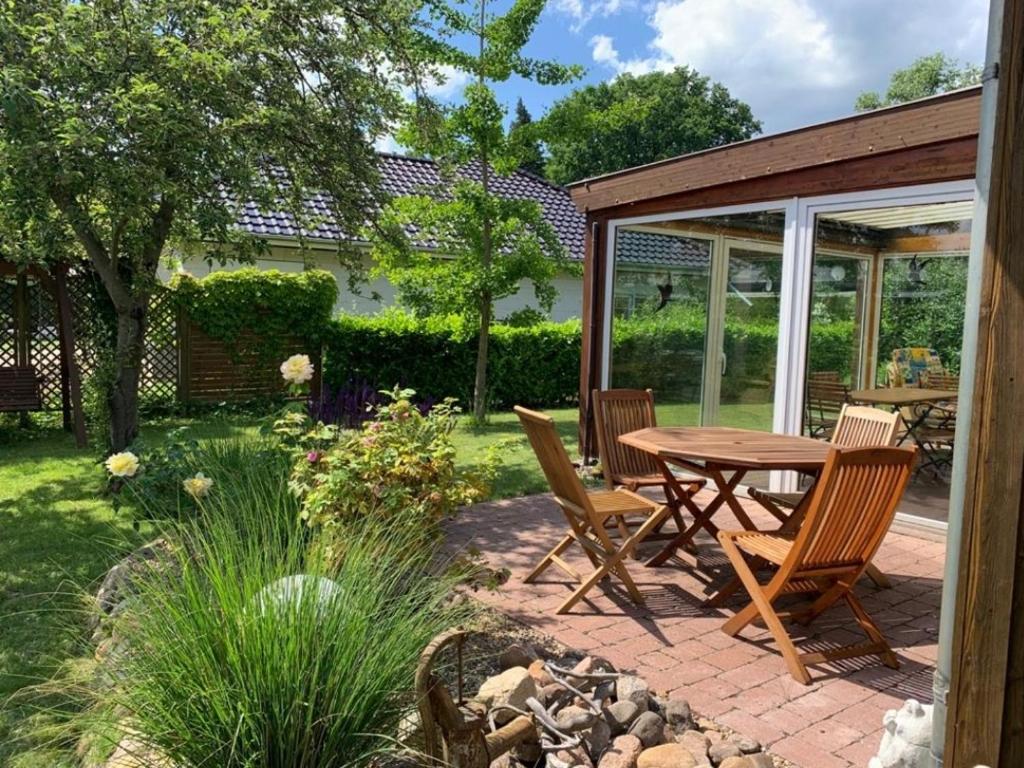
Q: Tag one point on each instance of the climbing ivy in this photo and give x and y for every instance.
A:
(266, 307)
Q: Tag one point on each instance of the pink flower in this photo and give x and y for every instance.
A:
(369, 441)
(375, 426)
(313, 457)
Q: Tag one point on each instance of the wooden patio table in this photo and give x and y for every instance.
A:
(904, 397)
(716, 452)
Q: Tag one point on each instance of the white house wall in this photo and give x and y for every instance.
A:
(568, 305)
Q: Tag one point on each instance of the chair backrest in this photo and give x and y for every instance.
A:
(19, 389)
(554, 461)
(824, 376)
(909, 363)
(852, 508)
(616, 412)
(861, 427)
(944, 380)
(825, 401)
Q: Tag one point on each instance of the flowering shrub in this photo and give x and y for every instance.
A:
(402, 461)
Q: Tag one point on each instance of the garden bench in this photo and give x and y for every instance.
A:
(19, 389)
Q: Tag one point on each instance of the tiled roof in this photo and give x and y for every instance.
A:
(402, 175)
(653, 249)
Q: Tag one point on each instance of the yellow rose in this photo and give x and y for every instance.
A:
(124, 464)
(297, 369)
(198, 486)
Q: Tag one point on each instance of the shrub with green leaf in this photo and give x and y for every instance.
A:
(399, 467)
(251, 648)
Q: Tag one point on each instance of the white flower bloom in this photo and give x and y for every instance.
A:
(297, 369)
(198, 486)
(124, 464)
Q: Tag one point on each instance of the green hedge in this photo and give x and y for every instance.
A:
(539, 365)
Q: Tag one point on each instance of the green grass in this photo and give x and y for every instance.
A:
(58, 535)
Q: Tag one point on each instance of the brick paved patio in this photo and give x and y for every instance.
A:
(741, 682)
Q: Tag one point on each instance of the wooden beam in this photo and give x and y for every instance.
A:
(938, 120)
(957, 241)
(67, 345)
(985, 721)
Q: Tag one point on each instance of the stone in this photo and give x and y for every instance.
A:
(511, 688)
(760, 760)
(576, 757)
(621, 715)
(696, 744)
(747, 745)
(539, 673)
(677, 714)
(735, 762)
(527, 752)
(666, 756)
(597, 738)
(723, 749)
(586, 666)
(555, 694)
(633, 688)
(623, 753)
(572, 719)
(713, 735)
(906, 741)
(517, 655)
(131, 753)
(649, 728)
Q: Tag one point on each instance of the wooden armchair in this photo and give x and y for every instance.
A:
(590, 515)
(857, 427)
(616, 412)
(849, 514)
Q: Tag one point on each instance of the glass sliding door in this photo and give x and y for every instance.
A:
(695, 316)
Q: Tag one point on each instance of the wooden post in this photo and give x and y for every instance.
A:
(985, 721)
(184, 393)
(22, 331)
(67, 344)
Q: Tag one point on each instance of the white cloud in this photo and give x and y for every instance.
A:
(387, 143)
(449, 83)
(582, 12)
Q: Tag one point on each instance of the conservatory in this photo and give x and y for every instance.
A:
(765, 283)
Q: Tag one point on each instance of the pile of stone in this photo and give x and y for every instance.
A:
(589, 715)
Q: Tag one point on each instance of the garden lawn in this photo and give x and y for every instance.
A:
(58, 536)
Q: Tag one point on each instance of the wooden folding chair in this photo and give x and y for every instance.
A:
(589, 515)
(616, 412)
(825, 400)
(849, 514)
(858, 426)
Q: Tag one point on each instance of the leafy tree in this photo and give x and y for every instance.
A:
(634, 120)
(143, 123)
(927, 76)
(523, 128)
(486, 244)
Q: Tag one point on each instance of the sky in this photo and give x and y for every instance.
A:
(795, 62)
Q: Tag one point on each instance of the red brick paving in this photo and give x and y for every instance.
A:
(676, 643)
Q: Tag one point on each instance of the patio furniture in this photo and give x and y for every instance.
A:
(724, 455)
(616, 412)
(19, 389)
(825, 400)
(919, 405)
(850, 513)
(910, 364)
(589, 515)
(857, 427)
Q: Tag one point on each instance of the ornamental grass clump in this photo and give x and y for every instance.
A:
(253, 649)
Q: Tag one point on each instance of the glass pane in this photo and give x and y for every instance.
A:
(751, 336)
(660, 299)
(839, 303)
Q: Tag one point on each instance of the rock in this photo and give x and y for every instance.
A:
(539, 673)
(723, 749)
(714, 735)
(697, 744)
(621, 715)
(632, 688)
(760, 760)
(573, 718)
(746, 744)
(666, 756)
(589, 665)
(622, 753)
(649, 728)
(511, 688)
(906, 741)
(555, 693)
(577, 756)
(517, 655)
(130, 753)
(597, 738)
(678, 715)
(527, 752)
(735, 762)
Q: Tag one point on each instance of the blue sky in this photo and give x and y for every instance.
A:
(794, 61)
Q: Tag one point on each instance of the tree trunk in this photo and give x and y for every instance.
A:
(483, 343)
(123, 395)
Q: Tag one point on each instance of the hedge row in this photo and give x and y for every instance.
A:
(539, 365)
